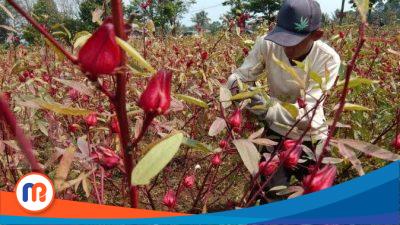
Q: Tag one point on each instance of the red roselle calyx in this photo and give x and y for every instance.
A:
(236, 119)
(156, 99)
(290, 154)
(270, 168)
(204, 56)
(91, 119)
(223, 144)
(396, 142)
(188, 182)
(106, 157)
(323, 179)
(216, 160)
(302, 104)
(170, 199)
(73, 128)
(101, 53)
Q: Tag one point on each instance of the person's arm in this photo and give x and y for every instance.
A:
(251, 68)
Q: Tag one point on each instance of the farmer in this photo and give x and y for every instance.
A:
(296, 37)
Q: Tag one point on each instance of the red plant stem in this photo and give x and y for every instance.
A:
(43, 31)
(349, 69)
(23, 142)
(120, 103)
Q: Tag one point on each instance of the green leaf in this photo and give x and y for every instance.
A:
(192, 100)
(363, 7)
(315, 77)
(244, 95)
(352, 107)
(156, 159)
(135, 55)
(290, 71)
(355, 82)
(292, 109)
(217, 127)
(60, 109)
(249, 154)
(196, 145)
(80, 41)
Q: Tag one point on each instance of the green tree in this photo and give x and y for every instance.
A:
(46, 13)
(165, 14)
(201, 19)
(262, 8)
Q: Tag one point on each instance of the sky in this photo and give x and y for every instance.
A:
(215, 9)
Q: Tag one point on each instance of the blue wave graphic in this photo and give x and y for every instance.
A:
(370, 199)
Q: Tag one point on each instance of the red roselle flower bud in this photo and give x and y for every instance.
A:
(216, 159)
(73, 128)
(91, 119)
(114, 125)
(73, 94)
(270, 168)
(204, 55)
(188, 182)
(302, 104)
(290, 154)
(106, 157)
(170, 199)
(101, 53)
(156, 99)
(223, 144)
(323, 179)
(236, 119)
(396, 142)
(341, 34)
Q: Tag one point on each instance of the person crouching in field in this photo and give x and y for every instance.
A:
(296, 38)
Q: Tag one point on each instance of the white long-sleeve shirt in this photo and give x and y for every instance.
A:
(322, 59)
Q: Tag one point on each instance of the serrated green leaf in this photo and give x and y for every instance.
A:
(192, 100)
(156, 159)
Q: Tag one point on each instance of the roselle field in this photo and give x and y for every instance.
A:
(139, 116)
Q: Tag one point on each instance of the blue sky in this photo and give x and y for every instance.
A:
(215, 9)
